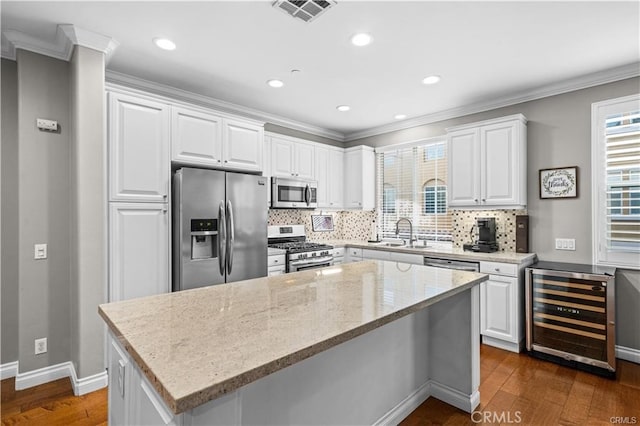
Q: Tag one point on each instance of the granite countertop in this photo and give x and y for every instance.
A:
(199, 344)
(444, 253)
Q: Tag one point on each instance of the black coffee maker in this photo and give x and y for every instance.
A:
(486, 236)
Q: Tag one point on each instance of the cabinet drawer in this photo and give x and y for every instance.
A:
(355, 252)
(338, 251)
(276, 270)
(276, 260)
(497, 268)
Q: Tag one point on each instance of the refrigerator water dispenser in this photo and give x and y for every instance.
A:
(204, 238)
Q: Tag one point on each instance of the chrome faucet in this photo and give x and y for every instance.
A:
(411, 237)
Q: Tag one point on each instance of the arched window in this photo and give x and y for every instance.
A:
(435, 197)
(389, 199)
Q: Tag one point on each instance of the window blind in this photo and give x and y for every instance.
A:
(412, 183)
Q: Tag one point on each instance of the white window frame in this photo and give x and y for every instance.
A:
(599, 112)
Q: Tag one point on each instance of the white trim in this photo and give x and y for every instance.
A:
(130, 82)
(410, 144)
(62, 47)
(10, 369)
(502, 344)
(628, 354)
(54, 372)
(570, 85)
(429, 389)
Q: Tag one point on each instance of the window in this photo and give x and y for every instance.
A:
(616, 179)
(435, 197)
(415, 188)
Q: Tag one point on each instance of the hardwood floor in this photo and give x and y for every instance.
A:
(515, 388)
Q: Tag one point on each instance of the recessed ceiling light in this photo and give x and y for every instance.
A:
(164, 43)
(343, 108)
(400, 116)
(361, 39)
(275, 83)
(432, 79)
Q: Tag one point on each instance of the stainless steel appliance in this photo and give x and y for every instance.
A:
(219, 233)
(570, 314)
(293, 193)
(485, 236)
(461, 265)
(300, 254)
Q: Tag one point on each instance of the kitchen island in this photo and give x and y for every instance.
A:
(362, 343)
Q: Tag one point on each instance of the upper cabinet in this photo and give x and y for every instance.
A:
(488, 164)
(139, 165)
(292, 158)
(200, 137)
(330, 176)
(359, 178)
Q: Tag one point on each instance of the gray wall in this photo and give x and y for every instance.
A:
(268, 127)
(43, 175)
(558, 134)
(9, 212)
(88, 201)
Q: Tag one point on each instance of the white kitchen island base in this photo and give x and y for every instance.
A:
(378, 377)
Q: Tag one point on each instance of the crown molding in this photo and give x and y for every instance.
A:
(160, 89)
(582, 82)
(61, 47)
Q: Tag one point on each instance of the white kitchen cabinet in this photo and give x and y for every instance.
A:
(359, 178)
(139, 166)
(242, 145)
(338, 255)
(501, 305)
(276, 264)
(352, 255)
(118, 373)
(414, 259)
(202, 138)
(487, 164)
(292, 158)
(329, 169)
(266, 169)
(376, 254)
(196, 137)
(147, 408)
(139, 255)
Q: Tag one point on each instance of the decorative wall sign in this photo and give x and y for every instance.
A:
(322, 223)
(559, 183)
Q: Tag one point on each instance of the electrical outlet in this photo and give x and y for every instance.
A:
(41, 346)
(566, 244)
(40, 251)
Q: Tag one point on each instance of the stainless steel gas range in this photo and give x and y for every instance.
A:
(300, 254)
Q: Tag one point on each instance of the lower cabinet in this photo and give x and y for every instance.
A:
(132, 399)
(338, 255)
(276, 265)
(353, 254)
(501, 306)
(139, 255)
(393, 256)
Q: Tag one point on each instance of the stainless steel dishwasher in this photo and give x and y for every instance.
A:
(461, 265)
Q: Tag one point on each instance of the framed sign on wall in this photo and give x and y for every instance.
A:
(561, 182)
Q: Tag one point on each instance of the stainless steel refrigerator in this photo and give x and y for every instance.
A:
(219, 227)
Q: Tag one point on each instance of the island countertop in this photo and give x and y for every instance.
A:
(197, 345)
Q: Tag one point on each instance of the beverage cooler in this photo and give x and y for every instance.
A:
(570, 315)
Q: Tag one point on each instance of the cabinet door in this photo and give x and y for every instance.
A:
(138, 250)
(335, 178)
(498, 148)
(498, 308)
(304, 163)
(118, 375)
(139, 166)
(147, 407)
(266, 169)
(322, 176)
(196, 137)
(353, 180)
(281, 158)
(376, 254)
(242, 145)
(463, 168)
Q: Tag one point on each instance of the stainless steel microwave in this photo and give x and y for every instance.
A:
(293, 193)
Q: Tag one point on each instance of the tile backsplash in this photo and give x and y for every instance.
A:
(347, 225)
(356, 225)
(464, 220)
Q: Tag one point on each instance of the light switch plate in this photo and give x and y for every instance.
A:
(40, 251)
(48, 125)
(566, 244)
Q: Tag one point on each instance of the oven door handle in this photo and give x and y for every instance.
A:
(311, 261)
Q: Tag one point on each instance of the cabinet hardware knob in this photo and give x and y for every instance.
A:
(476, 200)
(275, 261)
(164, 195)
(226, 161)
(497, 269)
(164, 210)
(483, 200)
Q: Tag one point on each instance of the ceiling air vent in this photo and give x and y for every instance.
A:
(307, 10)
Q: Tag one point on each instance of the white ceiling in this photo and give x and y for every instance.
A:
(228, 50)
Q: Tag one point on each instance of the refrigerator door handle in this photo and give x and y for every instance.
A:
(231, 237)
(222, 237)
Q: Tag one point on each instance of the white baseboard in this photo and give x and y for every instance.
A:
(434, 389)
(501, 344)
(454, 397)
(10, 369)
(406, 406)
(628, 354)
(81, 386)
